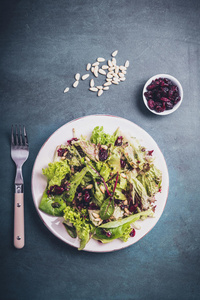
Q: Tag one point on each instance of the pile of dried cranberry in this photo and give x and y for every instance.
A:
(162, 94)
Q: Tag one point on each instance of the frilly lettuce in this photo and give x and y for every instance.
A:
(56, 172)
(100, 137)
(83, 228)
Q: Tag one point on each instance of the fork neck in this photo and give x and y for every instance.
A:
(19, 177)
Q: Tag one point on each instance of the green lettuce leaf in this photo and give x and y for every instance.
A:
(56, 172)
(128, 220)
(52, 205)
(84, 230)
(107, 209)
(102, 138)
(74, 183)
(103, 169)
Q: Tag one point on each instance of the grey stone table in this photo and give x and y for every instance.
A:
(43, 44)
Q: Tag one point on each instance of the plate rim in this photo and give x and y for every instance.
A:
(124, 245)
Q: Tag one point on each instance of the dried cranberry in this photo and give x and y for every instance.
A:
(132, 233)
(159, 109)
(122, 163)
(70, 141)
(107, 233)
(61, 151)
(103, 154)
(150, 152)
(151, 87)
(93, 206)
(133, 207)
(169, 105)
(164, 99)
(87, 196)
(55, 190)
(151, 104)
(118, 141)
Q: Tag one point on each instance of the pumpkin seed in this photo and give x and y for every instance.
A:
(107, 83)
(102, 72)
(126, 64)
(114, 53)
(75, 84)
(88, 66)
(100, 92)
(95, 64)
(91, 82)
(106, 88)
(66, 90)
(85, 76)
(77, 76)
(100, 59)
(93, 89)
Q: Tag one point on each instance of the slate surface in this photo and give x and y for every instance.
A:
(43, 44)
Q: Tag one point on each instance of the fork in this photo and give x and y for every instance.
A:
(19, 154)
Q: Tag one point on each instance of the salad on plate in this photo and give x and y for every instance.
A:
(101, 186)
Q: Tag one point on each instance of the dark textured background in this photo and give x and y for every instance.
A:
(43, 43)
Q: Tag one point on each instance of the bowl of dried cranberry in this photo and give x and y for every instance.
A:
(162, 94)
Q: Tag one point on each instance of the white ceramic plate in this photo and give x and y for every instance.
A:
(84, 126)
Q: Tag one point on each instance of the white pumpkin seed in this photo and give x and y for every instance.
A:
(123, 175)
(122, 78)
(109, 75)
(92, 69)
(110, 63)
(102, 72)
(122, 68)
(108, 79)
(104, 67)
(93, 89)
(115, 75)
(85, 76)
(106, 88)
(126, 64)
(91, 82)
(100, 59)
(121, 74)
(95, 64)
(95, 215)
(114, 62)
(100, 92)
(77, 76)
(88, 66)
(99, 87)
(102, 188)
(115, 82)
(95, 72)
(89, 187)
(114, 53)
(111, 69)
(66, 90)
(75, 84)
(124, 72)
(116, 69)
(107, 83)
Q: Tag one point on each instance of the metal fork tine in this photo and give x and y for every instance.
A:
(12, 136)
(16, 133)
(20, 135)
(25, 137)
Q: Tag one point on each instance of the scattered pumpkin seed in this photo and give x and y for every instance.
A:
(114, 53)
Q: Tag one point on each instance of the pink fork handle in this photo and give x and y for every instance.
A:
(19, 221)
